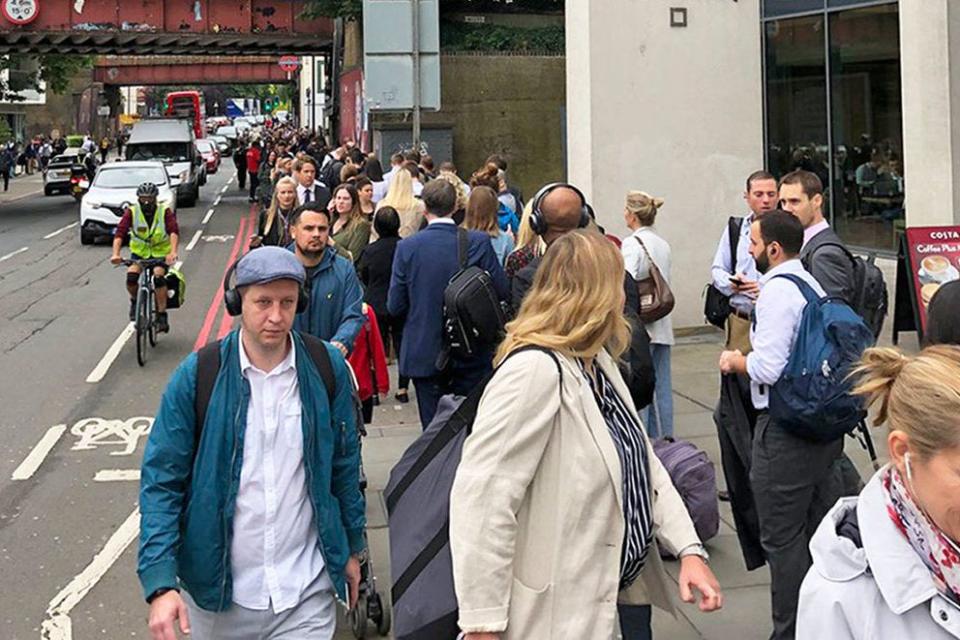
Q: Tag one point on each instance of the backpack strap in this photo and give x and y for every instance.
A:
(808, 293)
(463, 247)
(808, 261)
(208, 367)
(733, 231)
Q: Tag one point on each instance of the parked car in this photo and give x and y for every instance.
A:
(223, 145)
(210, 154)
(229, 132)
(115, 187)
(59, 172)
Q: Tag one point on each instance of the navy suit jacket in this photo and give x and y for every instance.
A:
(422, 267)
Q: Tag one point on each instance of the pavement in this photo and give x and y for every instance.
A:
(77, 408)
(22, 186)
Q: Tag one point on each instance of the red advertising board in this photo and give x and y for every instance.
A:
(933, 259)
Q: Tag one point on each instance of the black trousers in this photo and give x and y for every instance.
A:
(242, 178)
(735, 418)
(254, 183)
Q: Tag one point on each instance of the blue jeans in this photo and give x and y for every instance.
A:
(635, 621)
(658, 417)
(460, 379)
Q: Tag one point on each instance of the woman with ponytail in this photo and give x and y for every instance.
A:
(886, 565)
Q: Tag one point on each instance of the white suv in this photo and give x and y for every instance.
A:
(114, 187)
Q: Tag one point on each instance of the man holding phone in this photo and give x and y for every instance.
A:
(735, 274)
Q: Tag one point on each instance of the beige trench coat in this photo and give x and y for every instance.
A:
(536, 516)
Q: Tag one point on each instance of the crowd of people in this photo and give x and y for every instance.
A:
(560, 509)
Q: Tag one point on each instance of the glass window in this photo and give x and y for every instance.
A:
(796, 96)
(773, 8)
(868, 186)
(846, 3)
(126, 178)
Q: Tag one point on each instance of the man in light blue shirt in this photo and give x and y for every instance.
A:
(734, 415)
(792, 480)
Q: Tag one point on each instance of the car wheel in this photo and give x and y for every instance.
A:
(86, 237)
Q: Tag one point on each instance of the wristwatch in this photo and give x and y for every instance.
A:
(159, 592)
(696, 549)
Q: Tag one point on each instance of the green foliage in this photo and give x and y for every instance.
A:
(74, 140)
(348, 9)
(6, 134)
(461, 36)
(56, 69)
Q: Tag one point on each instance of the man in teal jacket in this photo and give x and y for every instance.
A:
(336, 296)
(258, 516)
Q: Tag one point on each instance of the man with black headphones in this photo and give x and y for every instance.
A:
(558, 208)
(252, 517)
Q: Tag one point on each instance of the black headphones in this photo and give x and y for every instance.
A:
(233, 301)
(537, 220)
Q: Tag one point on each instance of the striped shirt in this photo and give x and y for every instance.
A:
(629, 439)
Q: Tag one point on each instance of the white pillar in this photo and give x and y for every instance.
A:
(930, 70)
(674, 111)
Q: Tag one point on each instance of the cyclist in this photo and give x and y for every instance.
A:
(154, 234)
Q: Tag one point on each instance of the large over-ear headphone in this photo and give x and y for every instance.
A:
(538, 221)
(233, 301)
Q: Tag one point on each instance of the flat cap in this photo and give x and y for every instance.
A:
(267, 264)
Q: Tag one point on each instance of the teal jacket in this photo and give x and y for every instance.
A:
(188, 498)
(336, 297)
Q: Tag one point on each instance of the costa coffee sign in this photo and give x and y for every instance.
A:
(20, 12)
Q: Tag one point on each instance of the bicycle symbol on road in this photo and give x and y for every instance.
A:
(96, 432)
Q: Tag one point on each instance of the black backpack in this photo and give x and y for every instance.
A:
(473, 316)
(869, 292)
(208, 366)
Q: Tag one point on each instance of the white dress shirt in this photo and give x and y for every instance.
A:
(774, 330)
(302, 192)
(722, 265)
(275, 553)
(637, 265)
(813, 230)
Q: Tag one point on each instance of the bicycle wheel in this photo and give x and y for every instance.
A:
(143, 321)
(152, 327)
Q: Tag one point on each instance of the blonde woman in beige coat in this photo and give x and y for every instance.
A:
(541, 508)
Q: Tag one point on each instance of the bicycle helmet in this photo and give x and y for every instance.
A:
(147, 190)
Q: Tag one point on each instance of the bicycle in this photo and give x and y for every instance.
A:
(145, 319)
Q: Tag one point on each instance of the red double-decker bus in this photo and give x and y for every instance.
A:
(187, 104)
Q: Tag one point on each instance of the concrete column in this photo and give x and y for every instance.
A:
(674, 111)
(930, 69)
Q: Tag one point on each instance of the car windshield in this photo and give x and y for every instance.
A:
(165, 151)
(126, 178)
(226, 131)
(65, 159)
(204, 146)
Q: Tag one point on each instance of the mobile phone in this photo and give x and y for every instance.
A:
(736, 280)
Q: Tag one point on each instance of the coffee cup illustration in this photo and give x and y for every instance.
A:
(936, 267)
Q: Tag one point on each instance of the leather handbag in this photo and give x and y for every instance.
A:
(656, 298)
(716, 306)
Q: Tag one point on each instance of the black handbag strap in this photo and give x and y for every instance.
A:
(463, 247)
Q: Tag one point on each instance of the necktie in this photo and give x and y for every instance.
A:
(307, 195)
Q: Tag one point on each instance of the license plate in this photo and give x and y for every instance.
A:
(84, 184)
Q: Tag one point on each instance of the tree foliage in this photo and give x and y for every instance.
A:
(348, 9)
(353, 9)
(24, 72)
(460, 36)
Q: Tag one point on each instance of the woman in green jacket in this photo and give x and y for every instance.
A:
(351, 229)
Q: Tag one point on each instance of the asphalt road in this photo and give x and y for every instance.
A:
(73, 419)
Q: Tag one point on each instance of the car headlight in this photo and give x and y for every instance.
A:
(94, 204)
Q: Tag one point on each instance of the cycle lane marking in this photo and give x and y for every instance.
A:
(207, 217)
(226, 323)
(217, 301)
(108, 358)
(14, 253)
(58, 625)
(39, 453)
(193, 241)
(60, 230)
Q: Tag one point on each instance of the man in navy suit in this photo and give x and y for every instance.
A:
(422, 267)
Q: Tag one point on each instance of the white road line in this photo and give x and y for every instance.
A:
(207, 217)
(58, 625)
(104, 365)
(13, 253)
(217, 201)
(60, 230)
(193, 241)
(116, 475)
(36, 457)
(225, 187)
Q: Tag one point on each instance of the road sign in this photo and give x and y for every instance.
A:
(21, 12)
(289, 63)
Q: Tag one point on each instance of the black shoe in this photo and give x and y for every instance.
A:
(723, 496)
(162, 325)
(402, 396)
(133, 310)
